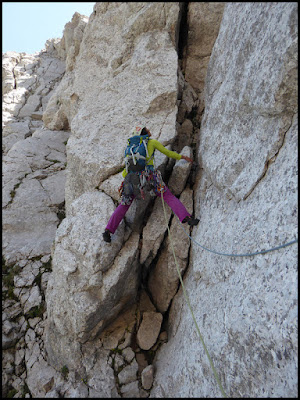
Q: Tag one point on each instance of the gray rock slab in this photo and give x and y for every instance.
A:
(147, 377)
(149, 329)
(128, 373)
(130, 390)
(245, 307)
(180, 172)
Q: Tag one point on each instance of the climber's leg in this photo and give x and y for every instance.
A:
(117, 217)
(175, 204)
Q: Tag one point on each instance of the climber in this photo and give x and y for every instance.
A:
(140, 175)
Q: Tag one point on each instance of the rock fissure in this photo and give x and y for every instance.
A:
(269, 162)
(183, 30)
(14, 77)
(133, 317)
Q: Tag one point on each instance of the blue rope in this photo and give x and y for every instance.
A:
(240, 255)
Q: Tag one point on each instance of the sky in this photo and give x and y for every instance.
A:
(26, 26)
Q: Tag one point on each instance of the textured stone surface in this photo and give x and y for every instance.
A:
(34, 161)
(149, 330)
(101, 283)
(130, 390)
(147, 377)
(245, 307)
(203, 20)
(254, 114)
(101, 381)
(129, 373)
(128, 49)
(154, 231)
(180, 173)
(96, 82)
(163, 279)
(34, 179)
(31, 155)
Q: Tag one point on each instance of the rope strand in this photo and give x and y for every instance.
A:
(240, 255)
(189, 304)
(184, 290)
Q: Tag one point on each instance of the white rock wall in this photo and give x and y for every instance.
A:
(246, 198)
(34, 158)
(125, 73)
(92, 84)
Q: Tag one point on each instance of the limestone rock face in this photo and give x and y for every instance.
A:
(246, 200)
(126, 74)
(34, 161)
(163, 279)
(258, 112)
(85, 318)
(100, 281)
(136, 78)
(28, 82)
(34, 158)
(203, 21)
(62, 104)
(33, 184)
(70, 44)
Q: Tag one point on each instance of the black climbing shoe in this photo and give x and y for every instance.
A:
(106, 236)
(191, 221)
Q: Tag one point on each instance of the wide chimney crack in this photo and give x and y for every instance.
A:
(182, 34)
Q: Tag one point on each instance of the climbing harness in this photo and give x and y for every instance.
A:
(189, 304)
(137, 184)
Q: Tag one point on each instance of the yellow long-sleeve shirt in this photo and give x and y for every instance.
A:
(156, 145)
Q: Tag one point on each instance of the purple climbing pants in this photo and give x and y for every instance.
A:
(172, 201)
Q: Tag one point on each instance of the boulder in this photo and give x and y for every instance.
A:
(102, 280)
(154, 231)
(128, 373)
(180, 172)
(163, 278)
(149, 329)
(130, 390)
(147, 377)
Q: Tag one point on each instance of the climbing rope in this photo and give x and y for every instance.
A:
(189, 304)
(240, 255)
(185, 293)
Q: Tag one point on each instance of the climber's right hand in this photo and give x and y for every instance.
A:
(187, 159)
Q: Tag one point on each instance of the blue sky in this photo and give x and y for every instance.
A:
(26, 26)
